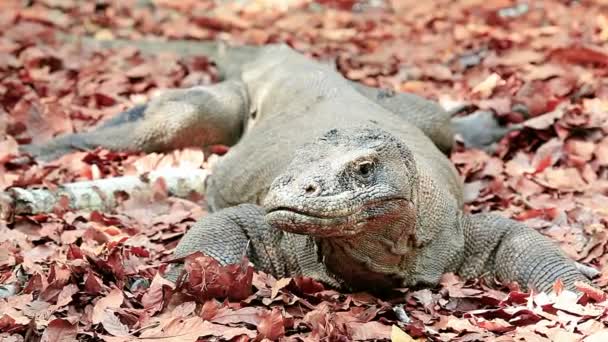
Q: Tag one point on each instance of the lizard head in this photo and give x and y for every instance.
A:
(346, 182)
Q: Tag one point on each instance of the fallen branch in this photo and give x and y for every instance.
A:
(101, 194)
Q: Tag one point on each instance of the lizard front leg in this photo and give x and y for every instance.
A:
(229, 234)
(179, 118)
(512, 251)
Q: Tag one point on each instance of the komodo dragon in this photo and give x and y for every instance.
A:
(327, 178)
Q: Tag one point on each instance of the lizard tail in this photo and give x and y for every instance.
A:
(228, 58)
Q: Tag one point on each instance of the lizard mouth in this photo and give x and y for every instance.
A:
(344, 222)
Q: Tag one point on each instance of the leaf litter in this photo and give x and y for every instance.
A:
(96, 276)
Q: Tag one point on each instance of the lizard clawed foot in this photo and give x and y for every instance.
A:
(481, 130)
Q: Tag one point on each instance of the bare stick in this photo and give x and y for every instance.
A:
(99, 194)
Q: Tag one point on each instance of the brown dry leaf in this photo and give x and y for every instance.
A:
(487, 86)
(461, 325)
(546, 120)
(112, 324)
(189, 330)
(547, 155)
(60, 330)
(595, 112)
(249, 315)
(8, 148)
(599, 336)
(495, 325)
(398, 335)
(438, 50)
(369, 330)
(562, 179)
(580, 151)
(278, 285)
(520, 57)
(543, 71)
(601, 152)
(112, 300)
(581, 55)
(65, 296)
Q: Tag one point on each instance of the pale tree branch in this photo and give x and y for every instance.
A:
(101, 194)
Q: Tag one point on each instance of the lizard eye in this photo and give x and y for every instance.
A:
(365, 169)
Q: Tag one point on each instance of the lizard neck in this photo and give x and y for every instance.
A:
(381, 255)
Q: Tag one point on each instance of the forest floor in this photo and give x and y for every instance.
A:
(94, 276)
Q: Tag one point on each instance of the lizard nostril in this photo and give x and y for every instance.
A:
(311, 189)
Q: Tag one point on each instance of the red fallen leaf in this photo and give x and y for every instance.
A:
(113, 231)
(547, 155)
(369, 314)
(157, 295)
(92, 284)
(37, 283)
(580, 55)
(212, 23)
(8, 324)
(593, 293)
(308, 285)
(139, 251)
(548, 213)
(272, 325)
(207, 279)
(210, 309)
(107, 220)
(60, 330)
(104, 100)
(74, 252)
(116, 263)
(65, 296)
(112, 300)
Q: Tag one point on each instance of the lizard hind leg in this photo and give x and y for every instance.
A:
(193, 117)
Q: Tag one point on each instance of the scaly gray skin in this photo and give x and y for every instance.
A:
(355, 188)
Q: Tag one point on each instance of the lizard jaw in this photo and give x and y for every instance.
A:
(348, 223)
